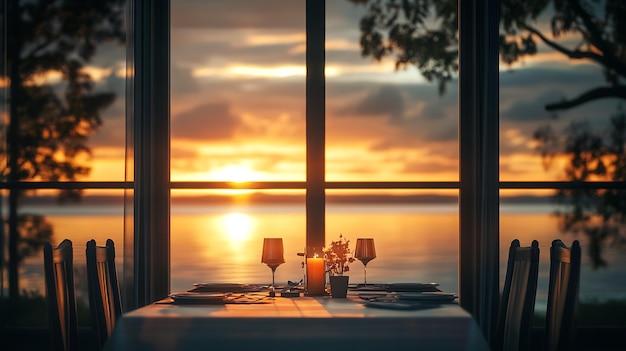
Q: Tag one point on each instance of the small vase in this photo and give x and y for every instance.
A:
(339, 286)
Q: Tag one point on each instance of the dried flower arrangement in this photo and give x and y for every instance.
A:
(338, 256)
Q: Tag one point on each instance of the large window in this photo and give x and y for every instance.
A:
(242, 167)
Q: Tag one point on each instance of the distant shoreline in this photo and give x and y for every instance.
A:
(265, 199)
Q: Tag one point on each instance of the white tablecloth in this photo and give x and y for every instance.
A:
(304, 323)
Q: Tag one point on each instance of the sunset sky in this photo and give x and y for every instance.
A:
(238, 102)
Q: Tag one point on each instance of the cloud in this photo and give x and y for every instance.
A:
(215, 48)
(340, 15)
(208, 121)
(551, 74)
(112, 131)
(533, 108)
(182, 81)
(387, 100)
(238, 14)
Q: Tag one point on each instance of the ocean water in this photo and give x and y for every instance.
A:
(414, 243)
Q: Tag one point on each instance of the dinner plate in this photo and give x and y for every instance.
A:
(412, 287)
(198, 298)
(426, 296)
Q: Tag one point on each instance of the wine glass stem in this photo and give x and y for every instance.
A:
(365, 273)
(273, 270)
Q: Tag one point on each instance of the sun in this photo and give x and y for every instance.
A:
(235, 173)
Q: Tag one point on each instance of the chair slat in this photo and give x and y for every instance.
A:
(61, 296)
(104, 295)
(517, 304)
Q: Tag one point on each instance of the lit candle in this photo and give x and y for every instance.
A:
(315, 276)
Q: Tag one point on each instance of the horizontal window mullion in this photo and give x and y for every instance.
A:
(66, 185)
(238, 185)
(563, 185)
(302, 185)
(392, 185)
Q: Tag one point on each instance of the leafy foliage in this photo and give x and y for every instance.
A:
(600, 214)
(424, 33)
(52, 118)
(338, 256)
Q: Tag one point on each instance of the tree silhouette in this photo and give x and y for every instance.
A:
(53, 107)
(424, 33)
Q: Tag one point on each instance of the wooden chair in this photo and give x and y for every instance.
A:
(518, 298)
(104, 295)
(562, 296)
(61, 295)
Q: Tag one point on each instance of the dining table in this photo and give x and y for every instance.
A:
(258, 321)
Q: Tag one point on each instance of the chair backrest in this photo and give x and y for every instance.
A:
(517, 304)
(61, 295)
(104, 295)
(562, 296)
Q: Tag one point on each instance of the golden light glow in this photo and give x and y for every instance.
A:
(243, 70)
(260, 71)
(250, 71)
(49, 77)
(273, 39)
(97, 73)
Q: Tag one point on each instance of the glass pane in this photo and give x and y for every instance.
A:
(67, 93)
(218, 236)
(556, 109)
(561, 119)
(98, 216)
(527, 218)
(416, 234)
(384, 124)
(238, 90)
(62, 87)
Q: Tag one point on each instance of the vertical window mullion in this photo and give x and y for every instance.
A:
(479, 158)
(150, 116)
(315, 124)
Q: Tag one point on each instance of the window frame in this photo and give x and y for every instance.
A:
(147, 185)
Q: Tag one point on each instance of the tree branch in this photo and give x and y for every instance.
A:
(577, 54)
(618, 91)
(608, 54)
(610, 62)
(596, 34)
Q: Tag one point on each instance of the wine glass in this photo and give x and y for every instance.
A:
(365, 252)
(273, 256)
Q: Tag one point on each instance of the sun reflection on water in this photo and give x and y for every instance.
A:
(238, 228)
